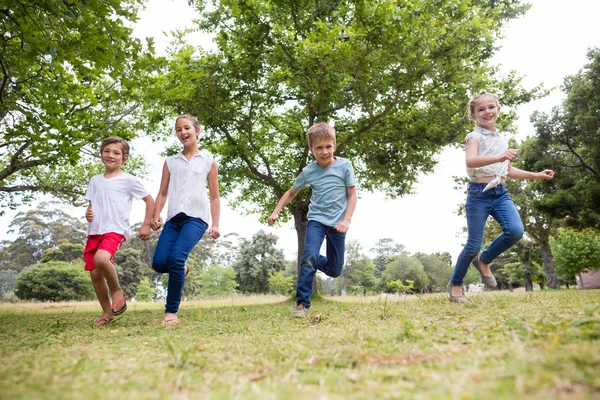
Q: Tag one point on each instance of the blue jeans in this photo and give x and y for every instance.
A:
(177, 239)
(497, 203)
(312, 261)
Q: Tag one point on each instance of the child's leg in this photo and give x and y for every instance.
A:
(478, 208)
(164, 246)
(191, 232)
(315, 234)
(103, 263)
(101, 289)
(509, 219)
(336, 248)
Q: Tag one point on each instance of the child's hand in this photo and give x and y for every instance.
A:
(156, 223)
(272, 219)
(213, 232)
(509, 154)
(545, 175)
(145, 232)
(343, 226)
(89, 214)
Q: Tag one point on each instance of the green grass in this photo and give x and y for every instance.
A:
(537, 345)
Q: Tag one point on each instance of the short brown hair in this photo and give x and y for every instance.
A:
(320, 130)
(116, 139)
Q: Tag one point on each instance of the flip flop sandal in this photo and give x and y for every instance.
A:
(119, 307)
(102, 321)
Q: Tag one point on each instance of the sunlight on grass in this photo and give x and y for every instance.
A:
(537, 345)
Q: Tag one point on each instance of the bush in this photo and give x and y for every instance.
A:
(54, 281)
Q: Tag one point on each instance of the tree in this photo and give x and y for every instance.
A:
(67, 252)
(8, 280)
(575, 251)
(280, 283)
(217, 280)
(54, 281)
(523, 272)
(145, 291)
(38, 230)
(568, 141)
(70, 75)
(257, 259)
(384, 249)
(405, 268)
(358, 275)
(538, 224)
(130, 270)
(393, 77)
(438, 268)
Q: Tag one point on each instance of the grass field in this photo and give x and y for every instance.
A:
(537, 345)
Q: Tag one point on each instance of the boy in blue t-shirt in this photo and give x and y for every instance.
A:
(331, 207)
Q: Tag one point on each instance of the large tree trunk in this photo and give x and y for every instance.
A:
(551, 279)
(528, 285)
(581, 280)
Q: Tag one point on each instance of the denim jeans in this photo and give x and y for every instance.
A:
(177, 239)
(313, 261)
(497, 203)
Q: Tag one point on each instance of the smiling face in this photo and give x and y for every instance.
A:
(186, 132)
(485, 110)
(112, 156)
(322, 149)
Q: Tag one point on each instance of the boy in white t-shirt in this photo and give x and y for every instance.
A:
(109, 195)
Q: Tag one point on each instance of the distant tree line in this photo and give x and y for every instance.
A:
(45, 262)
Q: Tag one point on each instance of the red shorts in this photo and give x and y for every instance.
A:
(109, 241)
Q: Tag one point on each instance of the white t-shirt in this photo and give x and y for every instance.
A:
(111, 202)
(187, 186)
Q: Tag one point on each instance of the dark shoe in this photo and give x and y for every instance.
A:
(299, 311)
(488, 281)
(456, 299)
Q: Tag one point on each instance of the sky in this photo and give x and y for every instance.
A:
(544, 46)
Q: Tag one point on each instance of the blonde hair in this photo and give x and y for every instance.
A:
(483, 93)
(320, 130)
(194, 122)
(119, 140)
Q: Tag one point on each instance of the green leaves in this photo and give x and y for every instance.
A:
(392, 76)
(71, 75)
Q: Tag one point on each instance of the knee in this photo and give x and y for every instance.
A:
(102, 258)
(515, 232)
(335, 272)
(159, 265)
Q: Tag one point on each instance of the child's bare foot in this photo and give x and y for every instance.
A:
(170, 320)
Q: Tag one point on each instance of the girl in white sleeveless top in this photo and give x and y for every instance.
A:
(184, 180)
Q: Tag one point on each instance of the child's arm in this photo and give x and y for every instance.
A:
(161, 197)
(145, 229)
(285, 199)
(475, 161)
(89, 214)
(517, 173)
(215, 200)
(352, 199)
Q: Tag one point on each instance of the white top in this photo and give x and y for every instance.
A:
(490, 144)
(187, 186)
(111, 202)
